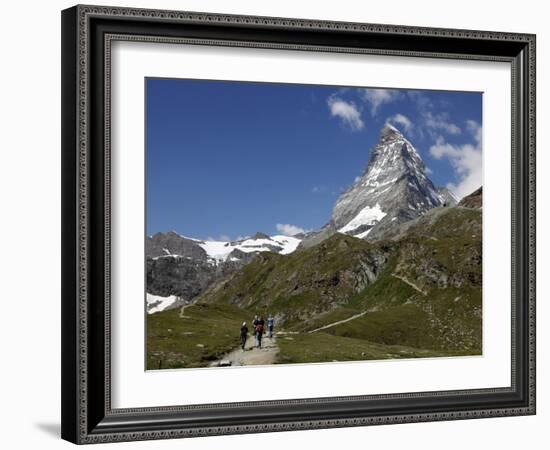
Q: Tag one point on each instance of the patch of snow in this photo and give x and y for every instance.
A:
(391, 127)
(384, 190)
(437, 198)
(288, 243)
(450, 194)
(220, 250)
(367, 216)
(157, 303)
(252, 244)
(363, 234)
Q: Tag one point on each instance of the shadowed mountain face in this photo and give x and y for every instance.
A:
(171, 243)
(184, 277)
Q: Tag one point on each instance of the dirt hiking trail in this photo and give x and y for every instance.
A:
(251, 356)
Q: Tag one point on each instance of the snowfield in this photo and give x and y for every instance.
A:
(367, 216)
(220, 250)
(156, 303)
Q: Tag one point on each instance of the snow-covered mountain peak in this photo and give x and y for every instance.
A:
(394, 187)
(393, 156)
(389, 133)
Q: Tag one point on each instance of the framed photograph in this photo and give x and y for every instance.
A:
(279, 224)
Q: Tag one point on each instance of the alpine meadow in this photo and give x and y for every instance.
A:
(311, 224)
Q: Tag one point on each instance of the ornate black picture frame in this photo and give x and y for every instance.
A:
(87, 34)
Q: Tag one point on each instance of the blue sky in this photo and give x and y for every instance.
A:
(227, 159)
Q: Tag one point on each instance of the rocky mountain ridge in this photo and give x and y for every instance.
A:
(474, 200)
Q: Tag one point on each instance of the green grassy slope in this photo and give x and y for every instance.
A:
(440, 256)
(447, 321)
(203, 334)
(303, 284)
(323, 347)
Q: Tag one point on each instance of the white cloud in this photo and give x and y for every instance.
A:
(466, 160)
(400, 119)
(318, 189)
(429, 171)
(289, 230)
(347, 112)
(423, 103)
(475, 129)
(377, 97)
(428, 121)
(440, 122)
(357, 178)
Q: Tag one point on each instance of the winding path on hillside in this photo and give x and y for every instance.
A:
(333, 324)
(251, 356)
(410, 283)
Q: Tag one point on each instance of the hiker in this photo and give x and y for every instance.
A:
(254, 323)
(259, 332)
(244, 335)
(270, 322)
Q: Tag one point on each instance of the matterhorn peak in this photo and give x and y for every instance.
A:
(393, 189)
(389, 133)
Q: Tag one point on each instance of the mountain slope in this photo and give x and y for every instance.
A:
(346, 299)
(296, 286)
(474, 200)
(421, 289)
(429, 295)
